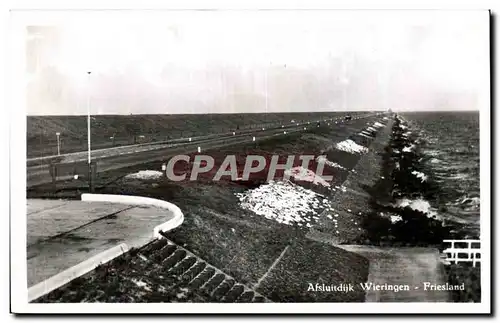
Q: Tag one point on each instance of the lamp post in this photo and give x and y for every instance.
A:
(58, 144)
(88, 133)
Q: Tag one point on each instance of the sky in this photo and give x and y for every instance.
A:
(257, 61)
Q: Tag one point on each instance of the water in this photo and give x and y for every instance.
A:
(450, 147)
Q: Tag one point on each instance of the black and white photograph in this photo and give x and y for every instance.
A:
(251, 161)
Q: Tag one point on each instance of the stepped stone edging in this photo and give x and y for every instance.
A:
(90, 264)
(246, 288)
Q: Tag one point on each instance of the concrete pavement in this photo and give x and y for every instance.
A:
(62, 234)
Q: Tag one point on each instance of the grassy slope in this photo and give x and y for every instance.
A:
(245, 245)
(309, 262)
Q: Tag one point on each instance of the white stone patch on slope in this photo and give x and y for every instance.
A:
(351, 147)
(417, 205)
(284, 202)
(396, 218)
(145, 174)
(323, 159)
(365, 135)
(391, 216)
(420, 175)
(406, 134)
(408, 149)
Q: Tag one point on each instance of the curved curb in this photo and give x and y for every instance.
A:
(140, 200)
(76, 271)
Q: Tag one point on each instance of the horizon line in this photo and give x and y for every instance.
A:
(249, 112)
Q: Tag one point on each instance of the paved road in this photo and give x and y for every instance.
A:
(410, 266)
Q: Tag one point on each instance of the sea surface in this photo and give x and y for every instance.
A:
(450, 157)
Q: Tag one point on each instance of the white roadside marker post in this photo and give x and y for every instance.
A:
(58, 144)
(164, 169)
